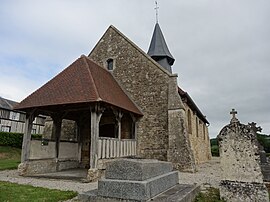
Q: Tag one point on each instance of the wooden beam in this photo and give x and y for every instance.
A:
(30, 117)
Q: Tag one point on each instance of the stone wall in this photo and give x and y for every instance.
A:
(199, 137)
(68, 129)
(29, 168)
(161, 132)
(67, 150)
(242, 178)
(179, 149)
(147, 85)
(239, 154)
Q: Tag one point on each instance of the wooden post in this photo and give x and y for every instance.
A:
(134, 127)
(27, 136)
(118, 116)
(57, 122)
(96, 113)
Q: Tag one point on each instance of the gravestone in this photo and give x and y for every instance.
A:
(140, 180)
(242, 178)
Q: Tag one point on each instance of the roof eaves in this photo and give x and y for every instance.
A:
(192, 103)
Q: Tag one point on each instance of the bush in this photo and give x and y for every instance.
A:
(215, 150)
(11, 139)
(14, 139)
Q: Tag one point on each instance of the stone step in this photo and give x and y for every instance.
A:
(178, 193)
(137, 169)
(137, 190)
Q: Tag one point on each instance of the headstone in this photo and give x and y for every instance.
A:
(139, 180)
(242, 178)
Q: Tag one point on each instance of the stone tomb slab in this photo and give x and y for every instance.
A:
(137, 190)
(137, 169)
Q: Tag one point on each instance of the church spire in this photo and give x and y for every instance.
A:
(159, 51)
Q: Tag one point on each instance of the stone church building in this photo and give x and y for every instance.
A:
(124, 102)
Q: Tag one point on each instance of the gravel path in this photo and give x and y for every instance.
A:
(208, 175)
(12, 176)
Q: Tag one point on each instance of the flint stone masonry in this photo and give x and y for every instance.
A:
(244, 192)
(242, 178)
(137, 169)
(239, 154)
(148, 85)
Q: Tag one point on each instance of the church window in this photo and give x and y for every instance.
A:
(189, 123)
(110, 64)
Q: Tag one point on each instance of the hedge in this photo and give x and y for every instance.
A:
(14, 139)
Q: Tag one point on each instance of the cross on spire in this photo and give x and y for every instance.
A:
(156, 8)
(234, 119)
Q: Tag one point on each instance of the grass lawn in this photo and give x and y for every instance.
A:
(211, 195)
(10, 157)
(15, 192)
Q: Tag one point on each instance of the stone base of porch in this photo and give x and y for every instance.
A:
(32, 167)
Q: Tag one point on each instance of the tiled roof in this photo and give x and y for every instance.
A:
(7, 104)
(82, 82)
(191, 104)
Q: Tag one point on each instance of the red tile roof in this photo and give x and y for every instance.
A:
(82, 82)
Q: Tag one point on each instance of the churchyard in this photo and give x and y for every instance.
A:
(237, 175)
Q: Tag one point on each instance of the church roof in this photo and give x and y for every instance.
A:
(158, 47)
(82, 82)
(7, 104)
(185, 96)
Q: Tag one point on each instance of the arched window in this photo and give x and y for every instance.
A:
(110, 64)
(189, 123)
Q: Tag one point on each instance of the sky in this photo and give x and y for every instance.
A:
(222, 48)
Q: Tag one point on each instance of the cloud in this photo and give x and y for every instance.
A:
(221, 47)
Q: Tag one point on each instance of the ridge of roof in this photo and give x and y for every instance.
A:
(135, 46)
(91, 77)
(183, 93)
(7, 104)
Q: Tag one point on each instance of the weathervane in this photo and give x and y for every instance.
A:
(156, 8)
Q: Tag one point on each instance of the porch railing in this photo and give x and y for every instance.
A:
(113, 148)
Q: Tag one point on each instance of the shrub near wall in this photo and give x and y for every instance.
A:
(14, 139)
(11, 139)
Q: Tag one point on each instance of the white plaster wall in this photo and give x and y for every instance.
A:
(68, 150)
(39, 151)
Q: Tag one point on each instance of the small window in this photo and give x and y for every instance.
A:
(6, 128)
(110, 64)
(14, 116)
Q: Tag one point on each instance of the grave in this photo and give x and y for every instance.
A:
(242, 178)
(140, 180)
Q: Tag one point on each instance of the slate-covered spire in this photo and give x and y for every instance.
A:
(159, 50)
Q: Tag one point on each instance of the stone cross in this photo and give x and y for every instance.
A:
(234, 119)
(253, 127)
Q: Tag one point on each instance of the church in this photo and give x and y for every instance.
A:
(123, 102)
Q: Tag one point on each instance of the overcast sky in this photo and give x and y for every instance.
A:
(221, 47)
